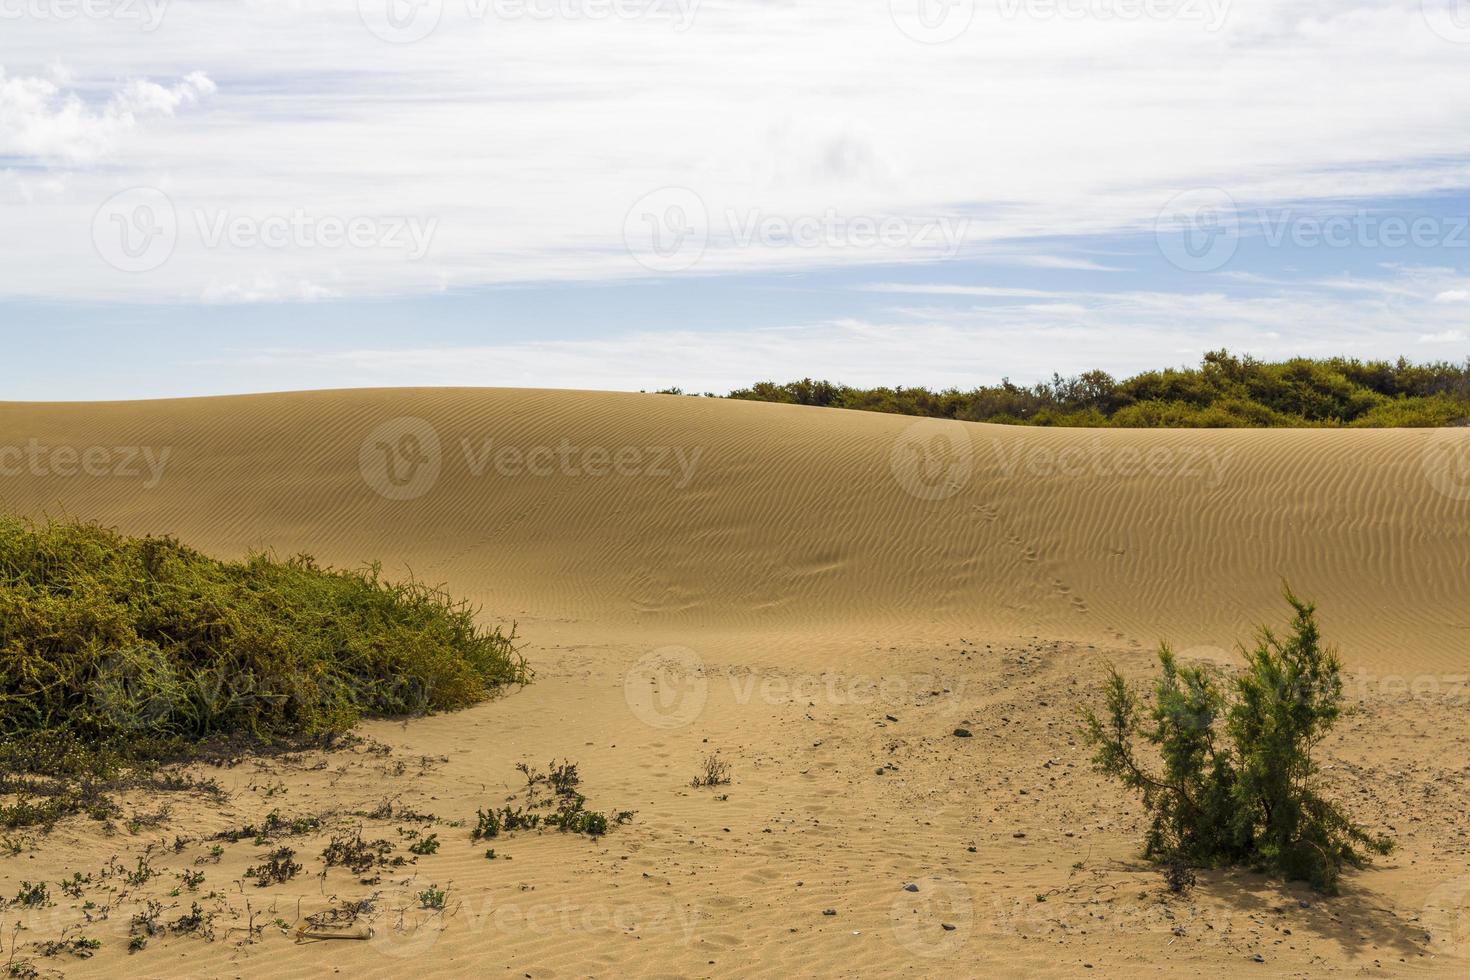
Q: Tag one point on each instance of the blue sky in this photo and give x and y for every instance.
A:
(251, 195)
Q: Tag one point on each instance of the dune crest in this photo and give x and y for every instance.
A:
(678, 515)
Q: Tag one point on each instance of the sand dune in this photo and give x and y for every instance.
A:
(680, 514)
(822, 598)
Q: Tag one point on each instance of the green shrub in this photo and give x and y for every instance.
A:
(1224, 391)
(1238, 783)
(116, 650)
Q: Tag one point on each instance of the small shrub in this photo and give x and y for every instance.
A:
(72, 887)
(278, 867)
(81, 947)
(33, 896)
(487, 825)
(145, 923)
(1179, 876)
(1239, 780)
(425, 845)
(716, 773)
(143, 873)
(570, 816)
(573, 817)
(354, 853)
(433, 897)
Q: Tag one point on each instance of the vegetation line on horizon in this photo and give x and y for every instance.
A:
(1225, 391)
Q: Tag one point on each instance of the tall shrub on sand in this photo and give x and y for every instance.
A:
(1236, 779)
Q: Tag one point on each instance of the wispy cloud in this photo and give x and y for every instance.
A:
(532, 140)
(941, 289)
(1066, 262)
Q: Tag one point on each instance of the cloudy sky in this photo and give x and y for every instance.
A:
(209, 196)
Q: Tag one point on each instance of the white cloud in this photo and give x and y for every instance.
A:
(39, 119)
(1453, 296)
(530, 139)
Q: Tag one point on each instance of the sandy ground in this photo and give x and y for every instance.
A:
(819, 599)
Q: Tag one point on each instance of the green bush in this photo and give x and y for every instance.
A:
(1238, 783)
(144, 643)
(1224, 391)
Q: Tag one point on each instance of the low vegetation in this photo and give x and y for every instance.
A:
(1224, 391)
(552, 800)
(1239, 782)
(118, 652)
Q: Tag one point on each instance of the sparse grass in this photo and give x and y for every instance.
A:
(119, 652)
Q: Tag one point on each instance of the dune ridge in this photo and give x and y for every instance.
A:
(726, 518)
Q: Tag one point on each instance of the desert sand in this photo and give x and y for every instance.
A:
(821, 598)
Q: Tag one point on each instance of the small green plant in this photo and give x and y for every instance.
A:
(191, 879)
(194, 922)
(1239, 783)
(33, 896)
(278, 867)
(81, 947)
(487, 825)
(425, 845)
(357, 855)
(72, 887)
(144, 924)
(143, 873)
(433, 897)
(572, 816)
(716, 772)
